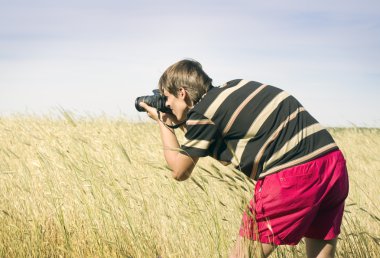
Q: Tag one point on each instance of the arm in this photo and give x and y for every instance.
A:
(180, 164)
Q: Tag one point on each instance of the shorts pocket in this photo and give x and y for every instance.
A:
(284, 191)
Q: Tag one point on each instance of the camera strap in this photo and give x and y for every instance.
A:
(171, 126)
(176, 125)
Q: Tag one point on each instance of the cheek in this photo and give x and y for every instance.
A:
(173, 105)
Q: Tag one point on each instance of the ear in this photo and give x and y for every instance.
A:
(182, 93)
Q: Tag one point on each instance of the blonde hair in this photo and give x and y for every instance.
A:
(187, 74)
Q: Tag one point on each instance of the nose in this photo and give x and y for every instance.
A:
(166, 103)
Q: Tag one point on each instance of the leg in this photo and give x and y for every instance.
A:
(320, 248)
(329, 218)
(267, 249)
(246, 248)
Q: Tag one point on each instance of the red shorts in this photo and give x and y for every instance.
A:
(302, 201)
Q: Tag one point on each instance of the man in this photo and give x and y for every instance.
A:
(267, 134)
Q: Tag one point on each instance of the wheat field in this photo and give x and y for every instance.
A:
(100, 187)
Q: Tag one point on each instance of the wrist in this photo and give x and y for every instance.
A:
(163, 125)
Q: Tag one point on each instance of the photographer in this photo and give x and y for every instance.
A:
(266, 133)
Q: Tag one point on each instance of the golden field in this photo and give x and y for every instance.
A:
(100, 187)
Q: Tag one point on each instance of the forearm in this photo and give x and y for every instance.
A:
(170, 144)
(180, 164)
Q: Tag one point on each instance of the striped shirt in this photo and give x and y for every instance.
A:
(258, 128)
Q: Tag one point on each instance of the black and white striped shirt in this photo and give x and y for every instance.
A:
(258, 128)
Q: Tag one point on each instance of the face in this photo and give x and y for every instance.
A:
(177, 104)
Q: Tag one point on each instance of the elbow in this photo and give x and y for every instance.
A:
(181, 176)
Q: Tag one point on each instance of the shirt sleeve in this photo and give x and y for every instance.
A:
(201, 133)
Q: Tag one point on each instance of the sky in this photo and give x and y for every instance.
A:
(96, 57)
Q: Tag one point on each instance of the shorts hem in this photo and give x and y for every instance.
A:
(264, 240)
(331, 237)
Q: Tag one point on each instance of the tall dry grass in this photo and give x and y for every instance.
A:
(100, 188)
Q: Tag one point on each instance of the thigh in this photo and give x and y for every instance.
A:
(320, 248)
(290, 204)
(246, 248)
(287, 205)
(282, 208)
(326, 224)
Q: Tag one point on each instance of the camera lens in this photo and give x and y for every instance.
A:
(157, 101)
(137, 106)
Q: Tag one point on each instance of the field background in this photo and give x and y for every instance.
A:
(97, 187)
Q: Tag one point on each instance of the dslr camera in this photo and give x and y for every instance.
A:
(156, 100)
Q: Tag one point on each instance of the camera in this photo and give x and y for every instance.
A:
(156, 100)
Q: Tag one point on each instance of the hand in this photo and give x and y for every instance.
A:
(151, 111)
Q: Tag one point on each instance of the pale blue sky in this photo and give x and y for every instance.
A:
(94, 57)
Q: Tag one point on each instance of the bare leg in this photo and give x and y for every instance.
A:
(267, 249)
(319, 248)
(245, 248)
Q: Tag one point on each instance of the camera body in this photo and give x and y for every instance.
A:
(156, 100)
